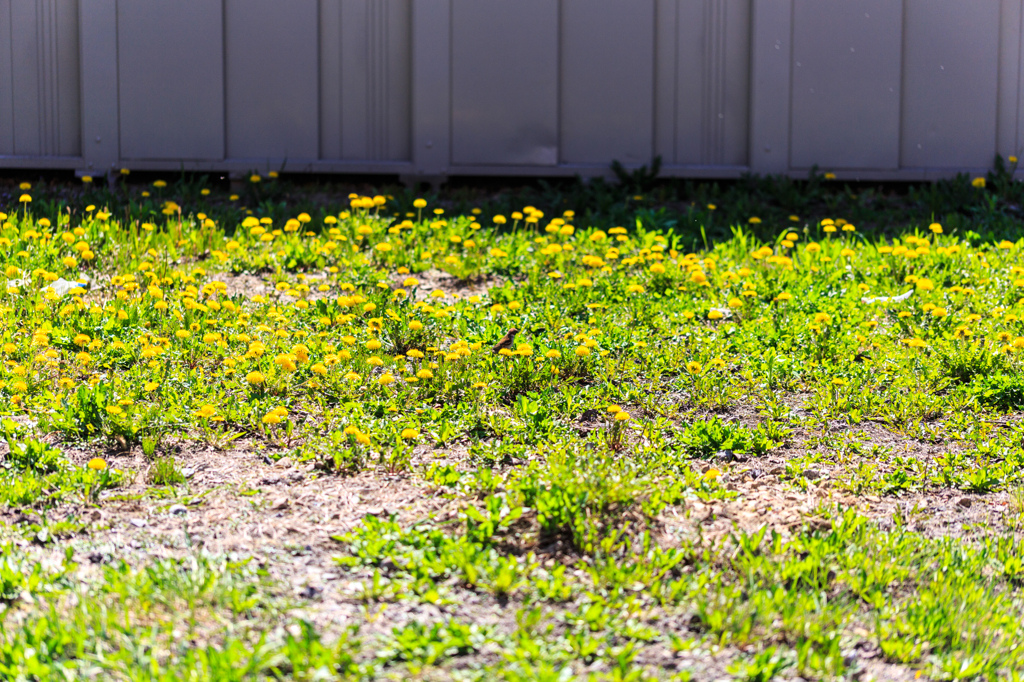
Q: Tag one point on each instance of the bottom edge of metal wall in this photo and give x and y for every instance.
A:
(408, 170)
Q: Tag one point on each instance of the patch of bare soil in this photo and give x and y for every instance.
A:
(767, 492)
(284, 515)
(452, 286)
(249, 285)
(246, 284)
(769, 499)
(239, 501)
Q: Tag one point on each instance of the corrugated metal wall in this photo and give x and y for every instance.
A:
(882, 89)
(39, 79)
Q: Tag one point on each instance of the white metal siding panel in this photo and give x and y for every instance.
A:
(272, 96)
(67, 103)
(356, 82)
(6, 80)
(950, 83)
(171, 79)
(365, 82)
(44, 77)
(771, 39)
(98, 40)
(846, 83)
(28, 138)
(431, 86)
(665, 37)
(1009, 75)
(712, 82)
(607, 81)
(1017, 95)
(727, 113)
(391, 100)
(330, 79)
(505, 82)
(693, 70)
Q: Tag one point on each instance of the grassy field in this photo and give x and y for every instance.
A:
(759, 430)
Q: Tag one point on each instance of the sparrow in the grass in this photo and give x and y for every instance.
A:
(506, 341)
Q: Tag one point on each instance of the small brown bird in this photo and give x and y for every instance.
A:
(506, 341)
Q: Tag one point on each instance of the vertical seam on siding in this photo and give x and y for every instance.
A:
(559, 159)
(653, 83)
(451, 85)
(40, 121)
(705, 66)
(371, 80)
(903, 69)
(382, 79)
(377, 82)
(117, 81)
(319, 81)
(789, 109)
(79, 124)
(224, 77)
(370, 127)
(675, 85)
(1017, 107)
(54, 93)
(341, 80)
(44, 13)
(55, 78)
(10, 53)
(718, 115)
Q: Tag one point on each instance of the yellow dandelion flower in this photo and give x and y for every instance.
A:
(206, 411)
